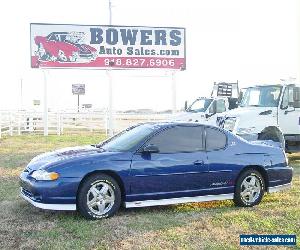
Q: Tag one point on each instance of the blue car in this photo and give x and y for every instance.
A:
(156, 164)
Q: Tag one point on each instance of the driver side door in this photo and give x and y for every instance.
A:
(178, 169)
(289, 113)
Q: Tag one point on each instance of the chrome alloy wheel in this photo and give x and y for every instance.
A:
(100, 198)
(250, 189)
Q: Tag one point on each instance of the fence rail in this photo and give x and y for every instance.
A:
(61, 122)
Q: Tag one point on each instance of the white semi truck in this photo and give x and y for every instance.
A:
(267, 112)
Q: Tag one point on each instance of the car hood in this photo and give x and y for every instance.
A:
(49, 158)
(188, 116)
(245, 111)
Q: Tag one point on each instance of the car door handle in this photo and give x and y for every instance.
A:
(198, 162)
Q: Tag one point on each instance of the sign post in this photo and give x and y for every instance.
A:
(173, 93)
(45, 105)
(110, 85)
(78, 89)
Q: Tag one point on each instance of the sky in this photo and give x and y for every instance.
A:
(253, 42)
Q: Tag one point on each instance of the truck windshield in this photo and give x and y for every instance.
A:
(262, 96)
(200, 105)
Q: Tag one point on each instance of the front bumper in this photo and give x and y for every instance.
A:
(53, 195)
(63, 207)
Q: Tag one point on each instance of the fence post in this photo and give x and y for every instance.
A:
(0, 125)
(61, 124)
(106, 123)
(19, 123)
(58, 123)
(10, 124)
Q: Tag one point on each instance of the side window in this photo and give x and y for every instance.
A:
(179, 139)
(215, 139)
(288, 98)
(221, 106)
(212, 108)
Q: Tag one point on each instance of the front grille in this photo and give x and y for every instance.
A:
(26, 192)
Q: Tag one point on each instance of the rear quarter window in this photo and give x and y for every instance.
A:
(215, 139)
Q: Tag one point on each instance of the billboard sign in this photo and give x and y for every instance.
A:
(102, 46)
(78, 89)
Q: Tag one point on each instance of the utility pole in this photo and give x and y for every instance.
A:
(21, 94)
(173, 92)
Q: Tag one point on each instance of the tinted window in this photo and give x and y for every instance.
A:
(179, 139)
(215, 139)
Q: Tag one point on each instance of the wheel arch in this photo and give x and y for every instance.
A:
(259, 169)
(110, 173)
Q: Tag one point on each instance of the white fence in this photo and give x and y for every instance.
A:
(27, 122)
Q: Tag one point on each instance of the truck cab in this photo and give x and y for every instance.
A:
(267, 112)
(203, 110)
(224, 96)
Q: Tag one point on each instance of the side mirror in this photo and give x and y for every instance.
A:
(241, 94)
(185, 105)
(208, 115)
(150, 149)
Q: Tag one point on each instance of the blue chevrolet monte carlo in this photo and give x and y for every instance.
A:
(156, 164)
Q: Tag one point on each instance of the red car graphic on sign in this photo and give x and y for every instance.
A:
(64, 47)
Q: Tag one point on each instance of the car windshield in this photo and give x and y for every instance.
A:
(200, 105)
(128, 139)
(263, 96)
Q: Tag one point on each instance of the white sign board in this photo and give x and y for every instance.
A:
(102, 46)
(78, 89)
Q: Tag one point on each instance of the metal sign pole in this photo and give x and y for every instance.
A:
(78, 103)
(45, 117)
(173, 92)
(110, 87)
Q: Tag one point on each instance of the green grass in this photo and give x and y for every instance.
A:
(208, 225)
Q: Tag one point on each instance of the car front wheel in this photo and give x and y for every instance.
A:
(249, 189)
(99, 197)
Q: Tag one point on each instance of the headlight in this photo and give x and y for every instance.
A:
(42, 175)
(229, 123)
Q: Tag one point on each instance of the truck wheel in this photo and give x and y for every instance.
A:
(249, 189)
(99, 197)
(272, 134)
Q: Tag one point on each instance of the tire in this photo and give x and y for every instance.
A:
(273, 135)
(99, 197)
(249, 189)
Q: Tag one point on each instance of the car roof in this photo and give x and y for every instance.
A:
(162, 124)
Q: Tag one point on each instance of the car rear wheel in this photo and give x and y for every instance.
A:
(249, 189)
(99, 197)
